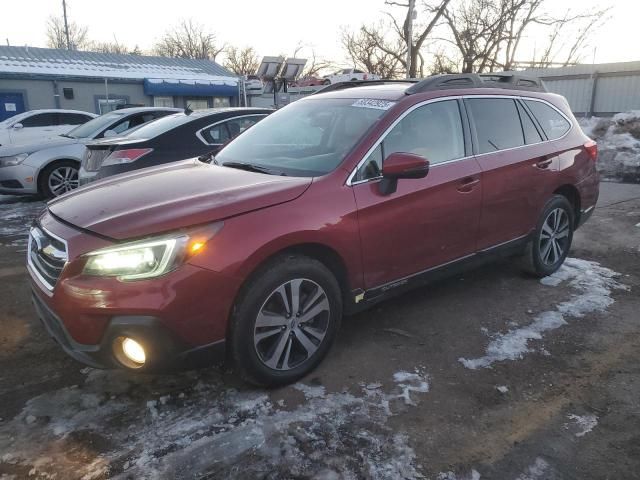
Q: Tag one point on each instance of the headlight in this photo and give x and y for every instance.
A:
(13, 160)
(149, 258)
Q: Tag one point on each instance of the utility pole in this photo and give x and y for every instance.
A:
(66, 25)
(411, 18)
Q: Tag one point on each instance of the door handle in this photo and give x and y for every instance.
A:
(468, 184)
(543, 164)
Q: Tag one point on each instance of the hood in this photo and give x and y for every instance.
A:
(170, 197)
(35, 145)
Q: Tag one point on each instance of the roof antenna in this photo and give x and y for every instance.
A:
(187, 110)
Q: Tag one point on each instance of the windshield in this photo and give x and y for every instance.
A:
(94, 126)
(307, 138)
(160, 126)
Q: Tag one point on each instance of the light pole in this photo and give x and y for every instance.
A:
(66, 25)
(411, 18)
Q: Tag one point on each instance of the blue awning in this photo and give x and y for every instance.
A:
(223, 87)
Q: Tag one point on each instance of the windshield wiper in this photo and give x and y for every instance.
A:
(250, 167)
(66, 135)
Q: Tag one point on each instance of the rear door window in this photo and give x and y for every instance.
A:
(552, 122)
(497, 123)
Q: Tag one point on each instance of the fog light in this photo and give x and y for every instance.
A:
(133, 350)
(129, 352)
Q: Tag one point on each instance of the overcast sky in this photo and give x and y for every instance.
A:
(271, 27)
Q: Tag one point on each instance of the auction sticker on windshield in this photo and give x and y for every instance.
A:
(373, 103)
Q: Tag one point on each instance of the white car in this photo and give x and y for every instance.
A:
(50, 167)
(349, 75)
(253, 85)
(38, 124)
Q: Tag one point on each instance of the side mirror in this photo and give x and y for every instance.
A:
(17, 126)
(110, 133)
(401, 165)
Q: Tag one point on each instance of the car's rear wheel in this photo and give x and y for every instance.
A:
(550, 245)
(285, 321)
(58, 178)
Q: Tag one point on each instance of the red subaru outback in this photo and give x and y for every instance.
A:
(325, 207)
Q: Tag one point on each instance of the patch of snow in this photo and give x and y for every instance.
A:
(584, 423)
(536, 471)
(410, 382)
(593, 284)
(140, 427)
(16, 215)
(502, 388)
(311, 391)
(474, 475)
(618, 140)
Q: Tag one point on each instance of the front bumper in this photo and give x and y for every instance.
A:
(178, 316)
(161, 347)
(18, 180)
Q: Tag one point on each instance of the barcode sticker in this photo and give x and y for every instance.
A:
(373, 103)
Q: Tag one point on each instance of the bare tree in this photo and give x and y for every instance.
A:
(371, 49)
(488, 33)
(241, 61)
(56, 37)
(479, 29)
(315, 65)
(563, 49)
(188, 40)
(110, 47)
(382, 48)
(433, 10)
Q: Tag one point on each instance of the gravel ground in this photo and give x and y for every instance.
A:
(489, 375)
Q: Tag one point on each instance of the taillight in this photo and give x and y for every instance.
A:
(125, 156)
(591, 148)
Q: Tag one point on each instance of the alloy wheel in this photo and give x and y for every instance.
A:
(291, 324)
(62, 180)
(554, 237)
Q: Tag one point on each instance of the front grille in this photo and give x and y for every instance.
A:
(47, 256)
(93, 159)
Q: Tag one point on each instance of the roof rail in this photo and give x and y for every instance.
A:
(507, 80)
(360, 83)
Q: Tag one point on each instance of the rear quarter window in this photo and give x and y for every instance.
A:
(551, 121)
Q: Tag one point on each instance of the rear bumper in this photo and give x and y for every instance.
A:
(162, 348)
(85, 177)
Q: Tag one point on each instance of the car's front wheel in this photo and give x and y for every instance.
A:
(285, 321)
(58, 178)
(550, 245)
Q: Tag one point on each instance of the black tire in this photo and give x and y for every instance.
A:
(254, 297)
(43, 179)
(326, 82)
(538, 260)
(354, 79)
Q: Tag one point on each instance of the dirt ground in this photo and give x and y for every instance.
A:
(488, 375)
